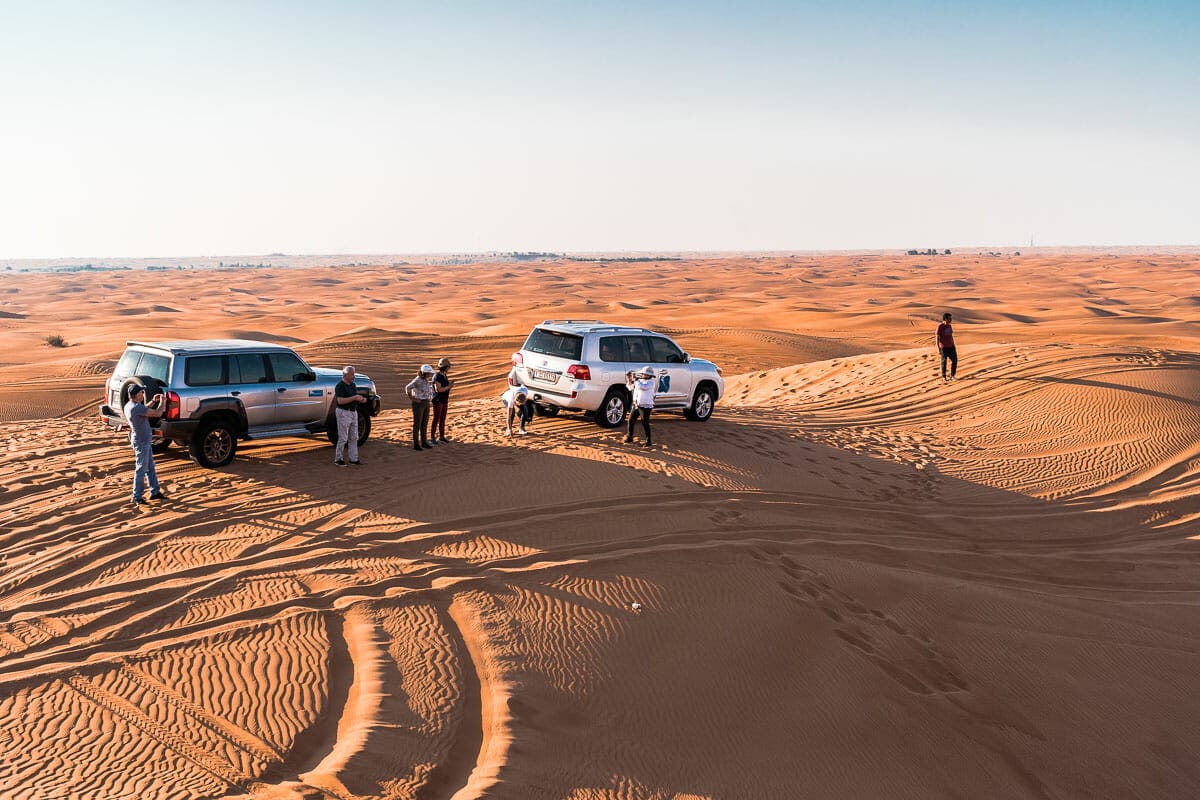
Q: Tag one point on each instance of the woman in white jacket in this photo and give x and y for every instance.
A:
(641, 386)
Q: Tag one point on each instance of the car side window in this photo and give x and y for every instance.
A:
(246, 368)
(636, 349)
(664, 351)
(612, 348)
(288, 367)
(204, 371)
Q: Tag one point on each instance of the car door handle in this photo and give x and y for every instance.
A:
(235, 393)
(281, 389)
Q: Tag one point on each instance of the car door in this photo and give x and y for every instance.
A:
(250, 382)
(674, 376)
(299, 399)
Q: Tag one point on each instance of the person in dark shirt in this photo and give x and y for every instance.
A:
(347, 399)
(441, 400)
(945, 344)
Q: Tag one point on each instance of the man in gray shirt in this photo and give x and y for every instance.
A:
(141, 438)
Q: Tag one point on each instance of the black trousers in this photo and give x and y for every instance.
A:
(950, 354)
(421, 421)
(645, 415)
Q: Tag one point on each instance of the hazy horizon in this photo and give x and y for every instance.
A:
(143, 129)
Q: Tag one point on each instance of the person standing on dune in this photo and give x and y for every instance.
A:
(420, 391)
(141, 439)
(641, 386)
(441, 401)
(345, 413)
(945, 344)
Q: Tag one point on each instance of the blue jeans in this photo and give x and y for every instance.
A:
(143, 470)
(950, 354)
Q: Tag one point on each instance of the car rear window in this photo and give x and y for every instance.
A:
(128, 364)
(205, 371)
(554, 343)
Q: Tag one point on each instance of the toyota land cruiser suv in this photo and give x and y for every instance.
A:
(221, 390)
(580, 365)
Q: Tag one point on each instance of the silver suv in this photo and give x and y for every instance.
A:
(221, 390)
(580, 365)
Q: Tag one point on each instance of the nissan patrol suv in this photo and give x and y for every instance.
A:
(221, 390)
(580, 365)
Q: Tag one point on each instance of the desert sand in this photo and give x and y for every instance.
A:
(855, 581)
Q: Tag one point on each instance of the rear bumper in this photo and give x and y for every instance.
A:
(587, 400)
(180, 430)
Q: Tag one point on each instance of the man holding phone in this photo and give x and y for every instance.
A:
(141, 439)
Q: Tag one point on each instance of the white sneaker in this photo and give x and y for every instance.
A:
(522, 431)
(508, 431)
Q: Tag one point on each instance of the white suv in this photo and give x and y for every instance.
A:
(580, 365)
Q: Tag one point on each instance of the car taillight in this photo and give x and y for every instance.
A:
(172, 405)
(518, 360)
(580, 372)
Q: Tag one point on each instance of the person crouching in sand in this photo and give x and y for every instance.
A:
(517, 405)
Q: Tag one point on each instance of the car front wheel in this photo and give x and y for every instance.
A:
(702, 405)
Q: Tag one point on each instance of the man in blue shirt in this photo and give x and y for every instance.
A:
(141, 438)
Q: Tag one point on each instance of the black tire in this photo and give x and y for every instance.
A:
(546, 411)
(703, 403)
(613, 410)
(364, 428)
(161, 447)
(214, 444)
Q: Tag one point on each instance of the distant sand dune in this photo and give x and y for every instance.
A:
(855, 580)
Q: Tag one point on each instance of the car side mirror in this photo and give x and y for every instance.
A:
(686, 358)
(310, 376)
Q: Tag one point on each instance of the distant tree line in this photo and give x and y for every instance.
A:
(929, 252)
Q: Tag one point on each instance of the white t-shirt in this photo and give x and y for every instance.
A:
(509, 397)
(643, 392)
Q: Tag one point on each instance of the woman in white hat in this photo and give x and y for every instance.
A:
(641, 386)
(421, 390)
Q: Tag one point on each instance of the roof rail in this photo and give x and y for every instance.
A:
(572, 322)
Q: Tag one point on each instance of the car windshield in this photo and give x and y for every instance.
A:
(553, 343)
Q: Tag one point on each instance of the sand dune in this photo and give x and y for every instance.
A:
(854, 581)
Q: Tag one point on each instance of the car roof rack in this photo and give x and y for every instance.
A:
(573, 322)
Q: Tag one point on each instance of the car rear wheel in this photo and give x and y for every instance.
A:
(613, 410)
(545, 410)
(703, 404)
(161, 447)
(214, 444)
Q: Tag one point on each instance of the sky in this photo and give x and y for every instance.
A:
(209, 128)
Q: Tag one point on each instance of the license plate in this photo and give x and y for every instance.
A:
(543, 375)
